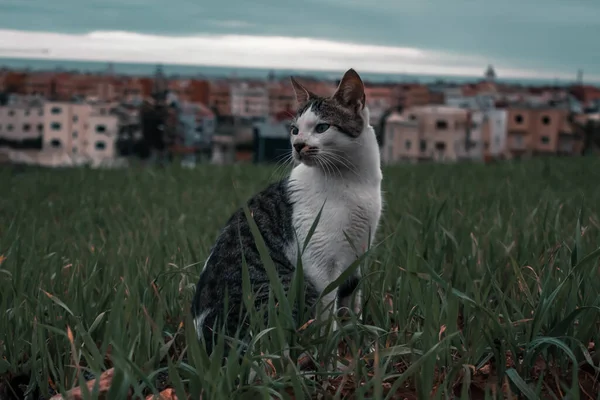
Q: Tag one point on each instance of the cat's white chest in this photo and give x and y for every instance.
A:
(348, 221)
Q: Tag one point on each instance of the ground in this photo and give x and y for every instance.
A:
(483, 283)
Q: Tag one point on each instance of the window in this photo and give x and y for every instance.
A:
(41, 112)
(441, 125)
(27, 112)
(100, 128)
(9, 127)
(0, 127)
(26, 127)
(423, 145)
(519, 119)
(40, 127)
(546, 120)
(75, 118)
(75, 134)
(412, 117)
(55, 126)
(407, 144)
(100, 145)
(440, 146)
(55, 143)
(545, 139)
(11, 113)
(519, 140)
(497, 140)
(56, 110)
(74, 149)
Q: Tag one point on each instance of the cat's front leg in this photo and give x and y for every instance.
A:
(346, 293)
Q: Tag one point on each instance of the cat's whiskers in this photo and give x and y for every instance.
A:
(323, 166)
(326, 165)
(336, 159)
(286, 160)
(334, 166)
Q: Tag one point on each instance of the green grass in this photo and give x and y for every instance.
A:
(483, 281)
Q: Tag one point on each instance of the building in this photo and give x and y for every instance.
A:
(59, 133)
(487, 133)
(317, 86)
(233, 140)
(586, 94)
(196, 127)
(13, 81)
(249, 100)
(220, 98)
(494, 133)
(22, 126)
(474, 145)
(191, 90)
(453, 95)
(436, 133)
(272, 139)
(134, 91)
(130, 129)
(412, 95)
(400, 140)
(474, 102)
(281, 98)
(541, 130)
(80, 133)
(379, 99)
(490, 74)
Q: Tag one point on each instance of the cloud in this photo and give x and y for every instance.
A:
(249, 51)
(231, 23)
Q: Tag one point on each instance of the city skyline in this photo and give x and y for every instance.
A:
(521, 40)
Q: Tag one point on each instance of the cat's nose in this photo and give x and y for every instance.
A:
(299, 146)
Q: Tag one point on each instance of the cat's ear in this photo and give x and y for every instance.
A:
(302, 94)
(351, 91)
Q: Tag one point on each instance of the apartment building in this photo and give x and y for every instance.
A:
(494, 134)
(191, 90)
(249, 100)
(487, 135)
(281, 98)
(475, 102)
(68, 133)
(84, 132)
(412, 95)
(436, 133)
(20, 122)
(220, 97)
(318, 87)
(401, 140)
(541, 130)
(379, 99)
(587, 95)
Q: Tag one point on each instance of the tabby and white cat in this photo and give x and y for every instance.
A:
(338, 165)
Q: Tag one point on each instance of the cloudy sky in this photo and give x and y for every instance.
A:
(521, 38)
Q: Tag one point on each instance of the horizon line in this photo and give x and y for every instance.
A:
(385, 76)
(259, 52)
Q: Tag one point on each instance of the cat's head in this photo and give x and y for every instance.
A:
(326, 130)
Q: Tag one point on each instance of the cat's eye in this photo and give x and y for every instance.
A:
(320, 128)
(294, 130)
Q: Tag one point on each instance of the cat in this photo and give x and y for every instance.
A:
(338, 168)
